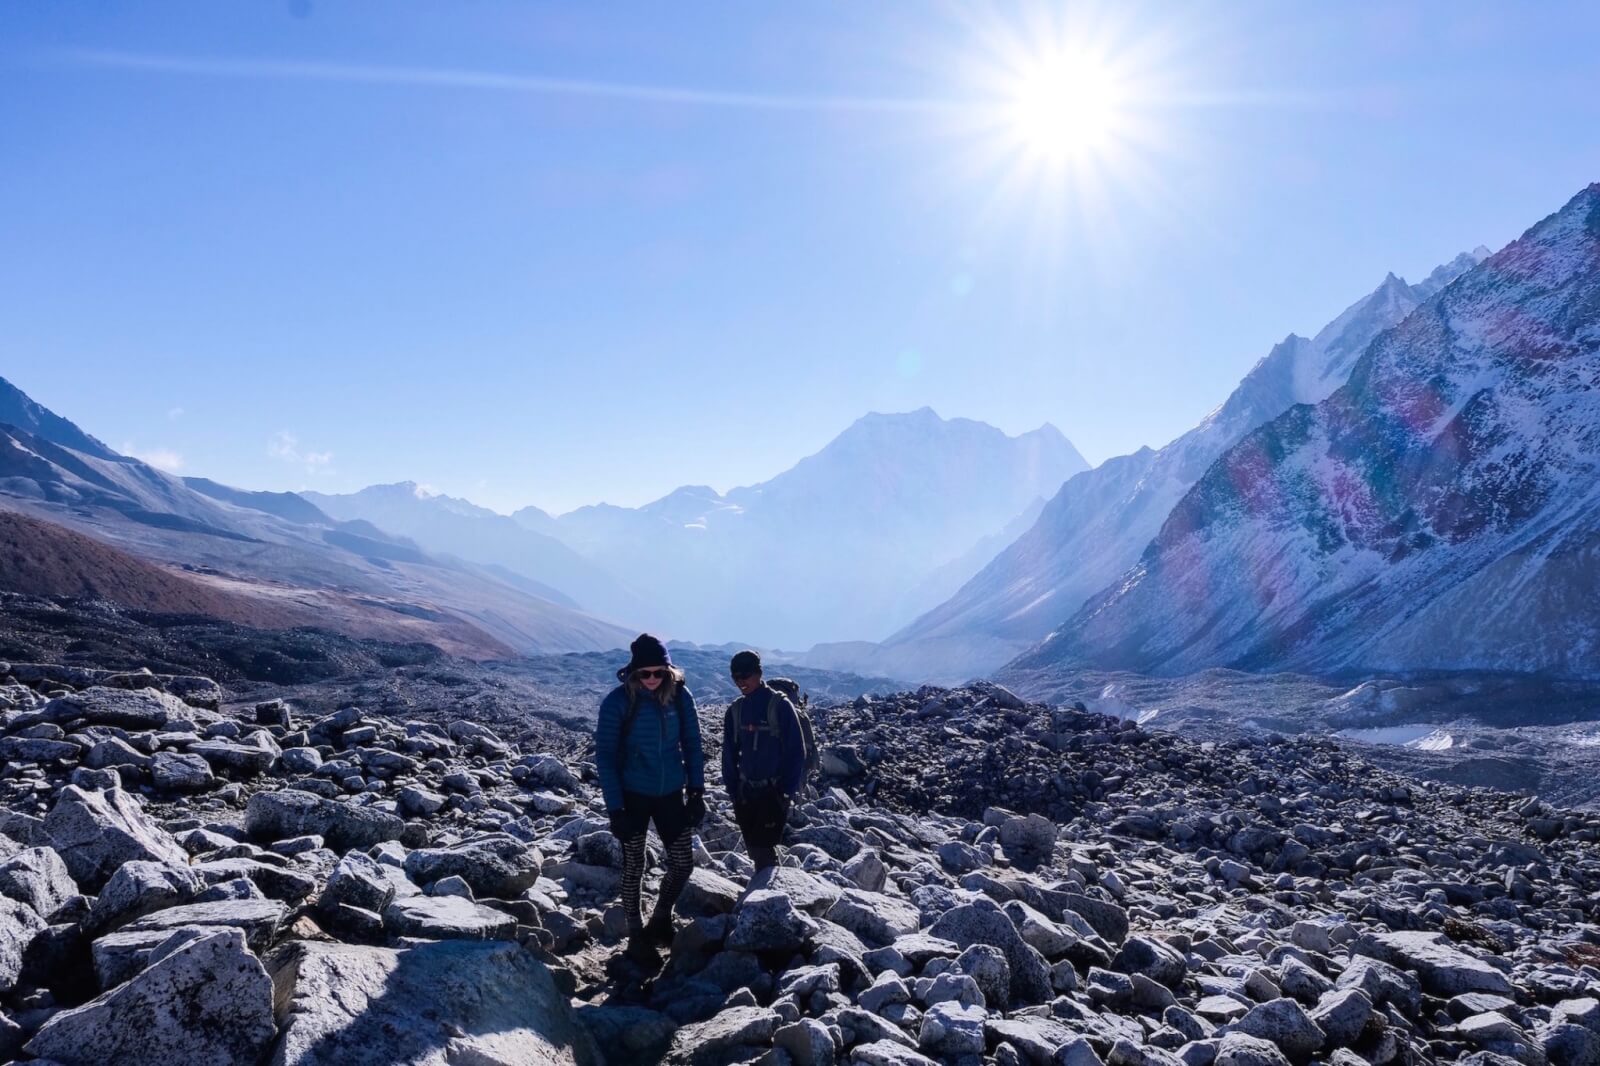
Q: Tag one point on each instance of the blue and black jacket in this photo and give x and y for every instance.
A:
(663, 747)
(755, 758)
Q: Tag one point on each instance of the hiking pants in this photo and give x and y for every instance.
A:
(761, 817)
(672, 826)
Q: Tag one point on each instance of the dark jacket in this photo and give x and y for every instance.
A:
(664, 753)
(752, 756)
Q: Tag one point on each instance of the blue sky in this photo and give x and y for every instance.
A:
(560, 253)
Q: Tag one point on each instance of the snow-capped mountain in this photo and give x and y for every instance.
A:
(839, 545)
(1100, 521)
(460, 528)
(1440, 510)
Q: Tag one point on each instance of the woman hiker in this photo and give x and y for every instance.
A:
(763, 759)
(652, 769)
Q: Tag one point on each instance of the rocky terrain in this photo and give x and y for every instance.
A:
(188, 875)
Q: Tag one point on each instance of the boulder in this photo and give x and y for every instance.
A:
(96, 832)
(145, 708)
(807, 1041)
(1445, 970)
(449, 1003)
(1284, 1022)
(140, 887)
(874, 917)
(357, 881)
(1241, 1049)
(260, 919)
(343, 826)
(447, 918)
(1152, 958)
(39, 878)
(951, 1029)
(174, 772)
(983, 922)
(500, 866)
(208, 1003)
(707, 893)
(766, 920)
(20, 925)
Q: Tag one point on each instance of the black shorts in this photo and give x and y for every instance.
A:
(761, 818)
(667, 812)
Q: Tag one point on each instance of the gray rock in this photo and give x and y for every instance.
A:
(1104, 917)
(416, 802)
(982, 922)
(1444, 970)
(867, 870)
(357, 881)
(208, 1002)
(114, 751)
(302, 760)
(1241, 1049)
(766, 920)
(96, 832)
(887, 989)
(1569, 1044)
(1382, 983)
(876, 918)
(1036, 1039)
(960, 857)
(1343, 1015)
(807, 1041)
(20, 926)
(174, 772)
(948, 988)
(707, 893)
(1076, 1052)
(38, 750)
(987, 966)
(259, 919)
(952, 1029)
(1584, 1012)
(499, 866)
(1152, 958)
(810, 894)
(710, 1040)
(447, 918)
(275, 882)
(135, 709)
(291, 813)
(1049, 939)
(140, 887)
(1285, 1023)
(887, 1053)
(626, 1033)
(39, 878)
(450, 1003)
(1028, 841)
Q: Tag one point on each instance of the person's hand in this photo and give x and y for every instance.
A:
(619, 822)
(695, 805)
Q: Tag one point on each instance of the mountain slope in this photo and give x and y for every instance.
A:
(836, 546)
(462, 529)
(1100, 521)
(1441, 510)
(18, 409)
(349, 577)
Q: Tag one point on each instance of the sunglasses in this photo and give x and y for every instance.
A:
(650, 672)
(743, 677)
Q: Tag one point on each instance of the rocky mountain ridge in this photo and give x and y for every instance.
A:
(975, 879)
(1438, 512)
(1100, 521)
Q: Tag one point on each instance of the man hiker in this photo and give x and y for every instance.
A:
(763, 759)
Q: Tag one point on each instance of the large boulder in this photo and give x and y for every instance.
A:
(96, 832)
(259, 919)
(1445, 970)
(38, 878)
(499, 866)
(343, 826)
(983, 922)
(719, 1038)
(876, 918)
(145, 708)
(208, 1003)
(441, 1004)
(447, 918)
(140, 887)
(768, 921)
(19, 927)
(175, 772)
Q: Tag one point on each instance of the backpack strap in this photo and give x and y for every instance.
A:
(628, 718)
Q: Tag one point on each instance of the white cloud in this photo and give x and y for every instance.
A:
(174, 414)
(286, 446)
(160, 458)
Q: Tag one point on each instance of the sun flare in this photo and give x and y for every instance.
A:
(1065, 106)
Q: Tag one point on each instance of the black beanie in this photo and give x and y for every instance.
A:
(646, 650)
(745, 662)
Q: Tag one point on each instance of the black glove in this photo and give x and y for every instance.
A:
(695, 805)
(619, 822)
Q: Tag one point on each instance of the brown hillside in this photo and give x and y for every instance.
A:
(40, 558)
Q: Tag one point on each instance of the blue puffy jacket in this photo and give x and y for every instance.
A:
(664, 753)
(753, 759)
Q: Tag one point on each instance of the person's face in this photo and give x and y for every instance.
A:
(748, 683)
(651, 677)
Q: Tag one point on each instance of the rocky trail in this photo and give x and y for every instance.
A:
(189, 878)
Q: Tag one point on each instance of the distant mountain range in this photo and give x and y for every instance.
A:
(146, 538)
(885, 521)
(1441, 510)
(1100, 521)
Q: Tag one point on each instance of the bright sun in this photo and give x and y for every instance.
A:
(1066, 106)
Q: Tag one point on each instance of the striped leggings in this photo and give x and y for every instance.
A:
(680, 862)
(672, 826)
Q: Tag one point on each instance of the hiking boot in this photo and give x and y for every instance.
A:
(641, 949)
(661, 931)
